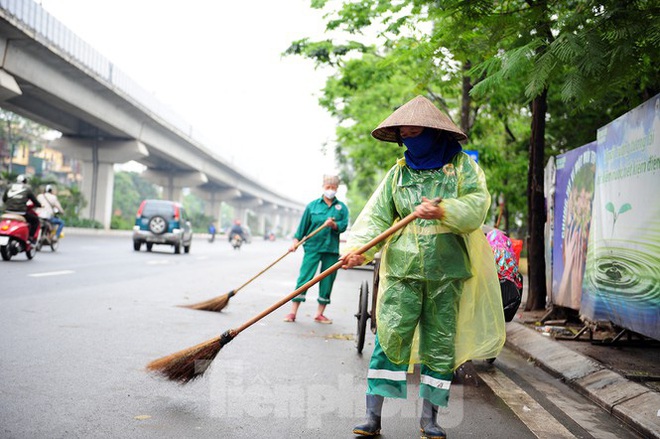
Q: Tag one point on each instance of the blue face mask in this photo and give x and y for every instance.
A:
(422, 145)
(430, 151)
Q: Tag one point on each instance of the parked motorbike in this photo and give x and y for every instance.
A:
(236, 241)
(507, 264)
(47, 235)
(14, 232)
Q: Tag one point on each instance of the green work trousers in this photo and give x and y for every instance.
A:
(308, 269)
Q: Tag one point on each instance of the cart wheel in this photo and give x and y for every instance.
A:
(374, 295)
(362, 316)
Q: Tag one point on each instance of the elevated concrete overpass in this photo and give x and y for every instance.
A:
(51, 76)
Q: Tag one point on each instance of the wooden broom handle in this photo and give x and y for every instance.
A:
(390, 231)
(279, 259)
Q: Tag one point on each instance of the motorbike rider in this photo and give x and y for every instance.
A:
(16, 198)
(50, 209)
(211, 232)
(236, 229)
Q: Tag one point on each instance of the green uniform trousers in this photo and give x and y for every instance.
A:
(308, 269)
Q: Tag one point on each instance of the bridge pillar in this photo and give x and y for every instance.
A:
(267, 218)
(243, 207)
(213, 200)
(290, 223)
(173, 181)
(276, 220)
(283, 223)
(98, 177)
(261, 224)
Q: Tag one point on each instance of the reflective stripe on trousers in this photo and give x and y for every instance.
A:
(389, 380)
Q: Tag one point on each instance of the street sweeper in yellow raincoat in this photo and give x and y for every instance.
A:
(439, 301)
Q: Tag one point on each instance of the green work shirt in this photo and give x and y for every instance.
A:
(315, 214)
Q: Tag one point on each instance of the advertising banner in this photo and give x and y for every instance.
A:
(622, 277)
(549, 174)
(574, 190)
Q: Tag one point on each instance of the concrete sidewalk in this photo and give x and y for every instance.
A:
(635, 404)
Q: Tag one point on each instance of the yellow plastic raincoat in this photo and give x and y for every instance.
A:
(449, 258)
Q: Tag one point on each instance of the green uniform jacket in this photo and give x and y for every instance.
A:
(316, 213)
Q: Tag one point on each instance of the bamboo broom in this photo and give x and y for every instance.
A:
(217, 304)
(189, 364)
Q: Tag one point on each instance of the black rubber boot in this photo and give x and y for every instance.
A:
(427, 423)
(371, 427)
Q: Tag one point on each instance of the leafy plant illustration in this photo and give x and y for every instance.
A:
(615, 214)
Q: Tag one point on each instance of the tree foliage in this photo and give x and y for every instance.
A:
(525, 78)
(129, 191)
(17, 132)
(195, 208)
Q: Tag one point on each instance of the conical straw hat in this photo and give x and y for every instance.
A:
(418, 112)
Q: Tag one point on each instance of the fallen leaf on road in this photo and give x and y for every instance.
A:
(341, 336)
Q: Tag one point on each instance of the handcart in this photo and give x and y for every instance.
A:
(363, 313)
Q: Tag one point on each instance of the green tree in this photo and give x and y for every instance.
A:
(130, 188)
(19, 132)
(561, 51)
(195, 208)
(367, 88)
(536, 60)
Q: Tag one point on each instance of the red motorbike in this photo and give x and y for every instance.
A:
(14, 232)
(47, 236)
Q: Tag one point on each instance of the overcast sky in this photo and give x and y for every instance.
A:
(218, 65)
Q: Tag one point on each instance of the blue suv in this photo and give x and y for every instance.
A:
(162, 222)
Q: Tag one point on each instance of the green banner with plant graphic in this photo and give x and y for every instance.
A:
(622, 275)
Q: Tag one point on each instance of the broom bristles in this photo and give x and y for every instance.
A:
(189, 364)
(216, 304)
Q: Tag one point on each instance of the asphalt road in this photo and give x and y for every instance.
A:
(77, 328)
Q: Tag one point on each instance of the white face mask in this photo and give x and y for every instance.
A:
(330, 194)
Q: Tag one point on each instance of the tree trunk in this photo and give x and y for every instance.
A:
(536, 295)
(466, 99)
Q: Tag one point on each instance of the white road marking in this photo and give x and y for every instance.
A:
(158, 262)
(535, 417)
(52, 273)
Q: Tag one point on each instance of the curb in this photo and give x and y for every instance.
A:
(632, 403)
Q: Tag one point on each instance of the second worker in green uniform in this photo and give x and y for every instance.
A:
(322, 248)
